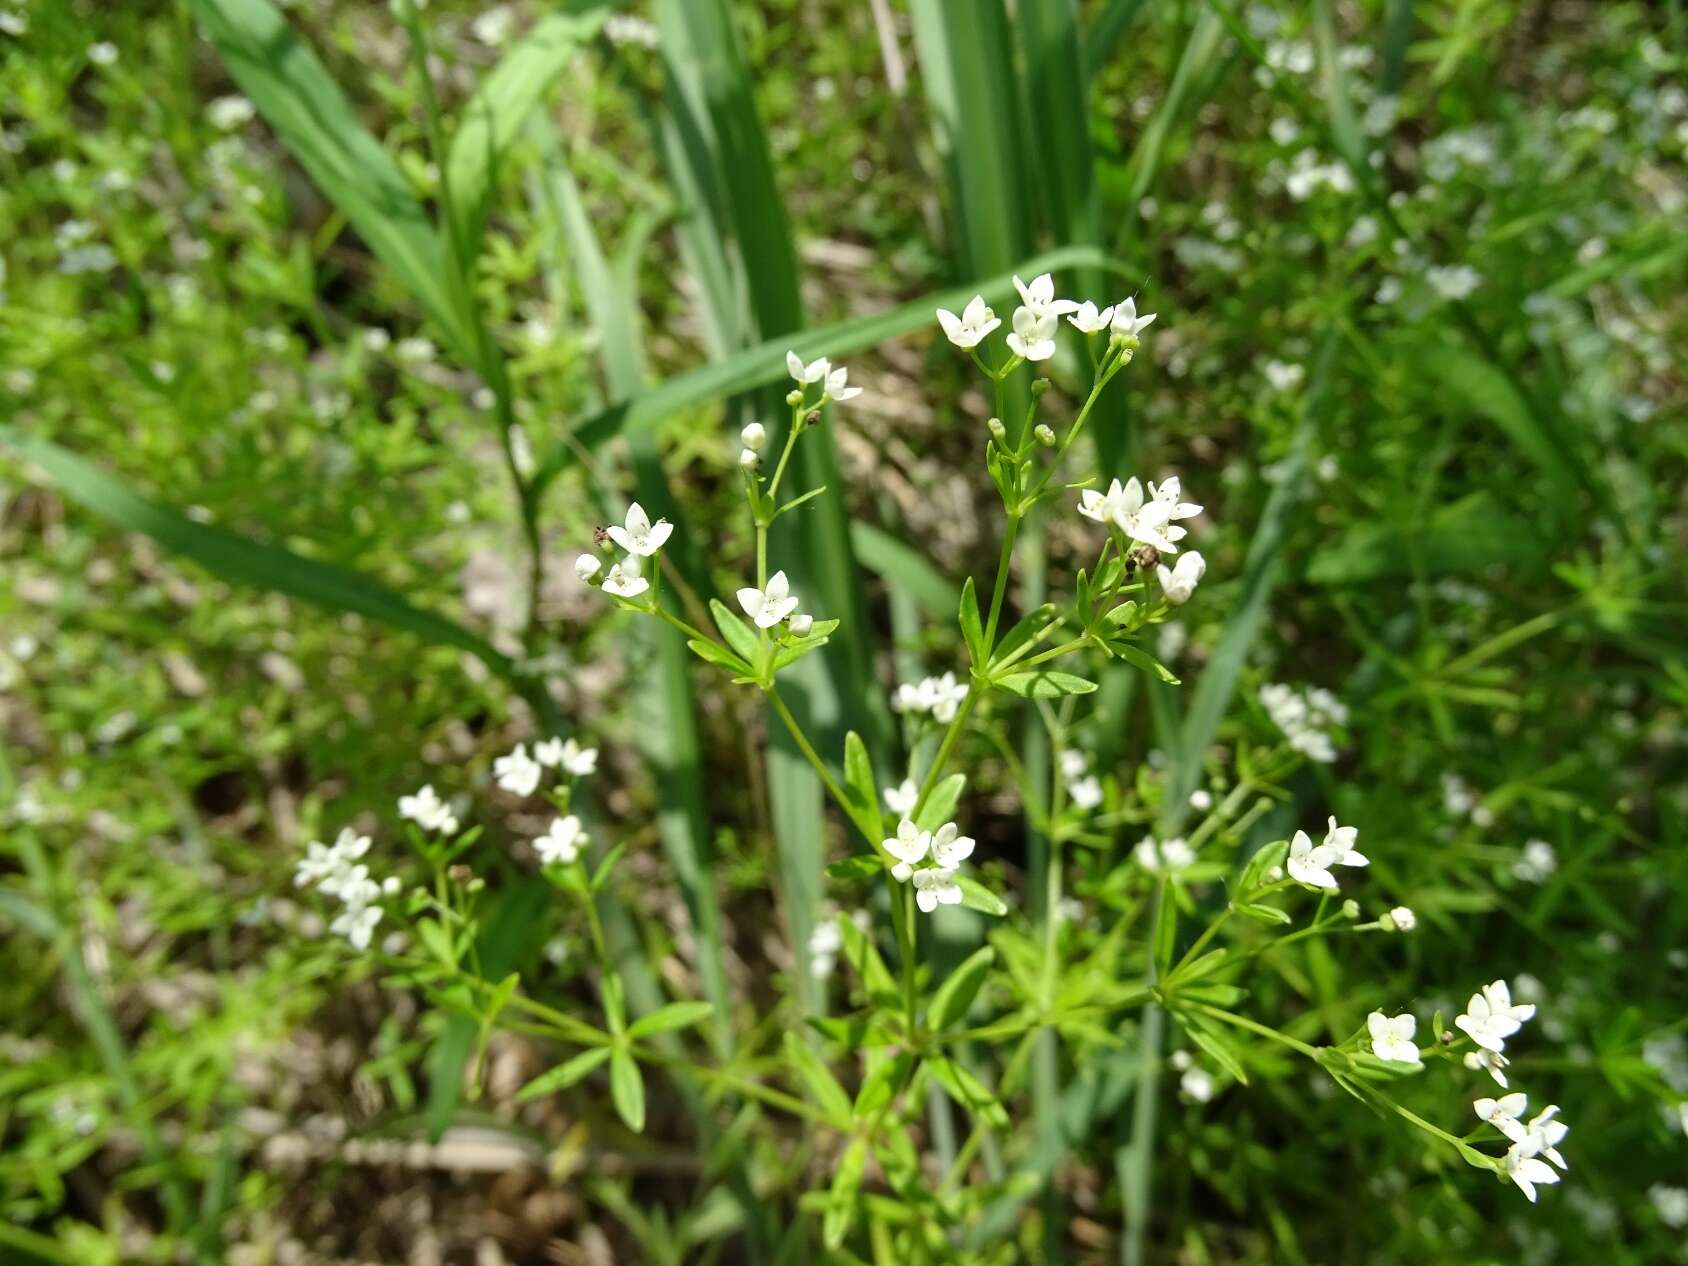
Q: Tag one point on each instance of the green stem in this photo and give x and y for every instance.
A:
(809, 753)
(1004, 563)
(1255, 1027)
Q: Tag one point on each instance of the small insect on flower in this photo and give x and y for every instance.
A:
(639, 535)
(561, 842)
(1392, 1037)
(1492, 1062)
(969, 329)
(767, 607)
(909, 845)
(517, 772)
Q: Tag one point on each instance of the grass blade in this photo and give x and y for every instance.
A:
(1107, 29)
(898, 564)
(1055, 97)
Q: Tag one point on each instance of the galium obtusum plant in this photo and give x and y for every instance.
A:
(1182, 924)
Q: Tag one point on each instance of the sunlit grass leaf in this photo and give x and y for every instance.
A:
(879, 551)
(239, 559)
(300, 100)
(1467, 536)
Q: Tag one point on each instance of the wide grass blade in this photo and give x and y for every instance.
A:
(300, 100)
(901, 565)
(1056, 84)
(238, 558)
(1107, 29)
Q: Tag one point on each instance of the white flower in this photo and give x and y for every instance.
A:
(357, 924)
(228, 113)
(748, 459)
(1456, 281)
(1540, 1138)
(1179, 582)
(1074, 764)
(1392, 1037)
(1504, 1113)
(428, 811)
(1492, 1062)
(1543, 1134)
(836, 388)
(934, 887)
(1197, 1084)
(1304, 717)
(1087, 320)
(1282, 376)
(102, 54)
(1491, 1017)
(814, 371)
(949, 847)
(902, 799)
(319, 862)
(587, 566)
(1102, 507)
(578, 760)
(1201, 800)
(517, 772)
(561, 842)
(1310, 865)
(1086, 792)
(1340, 841)
(352, 885)
(1671, 1204)
(1158, 858)
(1149, 522)
(767, 607)
(802, 624)
(1034, 336)
(624, 580)
(969, 329)
(753, 436)
(1527, 1171)
(1172, 493)
(824, 943)
(909, 845)
(1400, 919)
(1127, 322)
(1039, 297)
(946, 695)
(639, 535)
(1537, 864)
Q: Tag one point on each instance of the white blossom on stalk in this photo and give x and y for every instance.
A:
(1309, 864)
(949, 847)
(1196, 1084)
(1392, 1037)
(1159, 858)
(352, 885)
(587, 566)
(824, 943)
(1086, 792)
(639, 535)
(767, 607)
(753, 436)
(1127, 322)
(1530, 1144)
(567, 755)
(428, 811)
(814, 371)
(748, 459)
(1102, 507)
(1038, 296)
(1492, 1062)
(517, 772)
(901, 799)
(357, 924)
(837, 387)
(1537, 864)
(969, 329)
(624, 580)
(1172, 493)
(1034, 336)
(1528, 1171)
(934, 887)
(1179, 582)
(1148, 522)
(1087, 320)
(1400, 919)
(1491, 1016)
(946, 694)
(909, 845)
(1340, 841)
(562, 841)
(1504, 1113)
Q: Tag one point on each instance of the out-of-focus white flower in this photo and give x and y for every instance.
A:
(103, 54)
(587, 566)
(949, 847)
(562, 841)
(934, 887)
(767, 607)
(941, 696)
(567, 755)
(639, 535)
(624, 580)
(1039, 299)
(629, 28)
(1161, 858)
(1201, 800)
(824, 943)
(1087, 320)
(1491, 1016)
(970, 328)
(1491, 1062)
(1282, 375)
(901, 799)
(517, 772)
(1671, 1204)
(1074, 764)
(1456, 281)
(909, 845)
(1033, 336)
(1400, 919)
(1305, 718)
(493, 27)
(1537, 864)
(1197, 1084)
(1179, 582)
(228, 113)
(1392, 1037)
(753, 436)
(428, 811)
(357, 924)
(748, 459)
(1126, 322)
(1086, 792)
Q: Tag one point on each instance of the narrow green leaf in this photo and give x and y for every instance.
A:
(880, 1085)
(956, 994)
(564, 1075)
(676, 1015)
(1024, 630)
(972, 631)
(1044, 685)
(1142, 659)
(975, 896)
(1218, 1044)
(1466, 537)
(841, 1197)
(862, 955)
(862, 866)
(627, 1091)
(1106, 30)
(1166, 927)
(817, 1078)
(738, 634)
(861, 791)
(940, 805)
(720, 656)
(967, 1090)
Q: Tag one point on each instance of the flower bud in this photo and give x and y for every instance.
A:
(391, 885)
(1039, 386)
(748, 459)
(1350, 909)
(1400, 919)
(794, 397)
(999, 433)
(754, 436)
(1045, 435)
(587, 567)
(801, 623)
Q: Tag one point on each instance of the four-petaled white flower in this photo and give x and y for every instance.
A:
(1179, 581)
(1147, 521)
(969, 329)
(1492, 1062)
(1530, 1144)
(624, 580)
(1127, 322)
(1172, 493)
(1504, 1113)
(1491, 1017)
(1034, 336)
(639, 535)
(934, 887)
(902, 799)
(357, 924)
(1087, 320)
(562, 841)
(814, 371)
(1340, 841)
(1086, 792)
(909, 845)
(1392, 1037)
(428, 811)
(1039, 297)
(949, 847)
(1100, 506)
(837, 387)
(1310, 865)
(567, 755)
(517, 772)
(767, 607)
(319, 862)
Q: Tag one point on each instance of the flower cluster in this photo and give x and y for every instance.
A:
(1310, 864)
(1151, 520)
(334, 870)
(946, 848)
(519, 773)
(1305, 717)
(1084, 789)
(1490, 1018)
(834, 382)
(641, 539)
(1037, 320)
(940, 696)
(1533, 1144)
(1162, 857)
